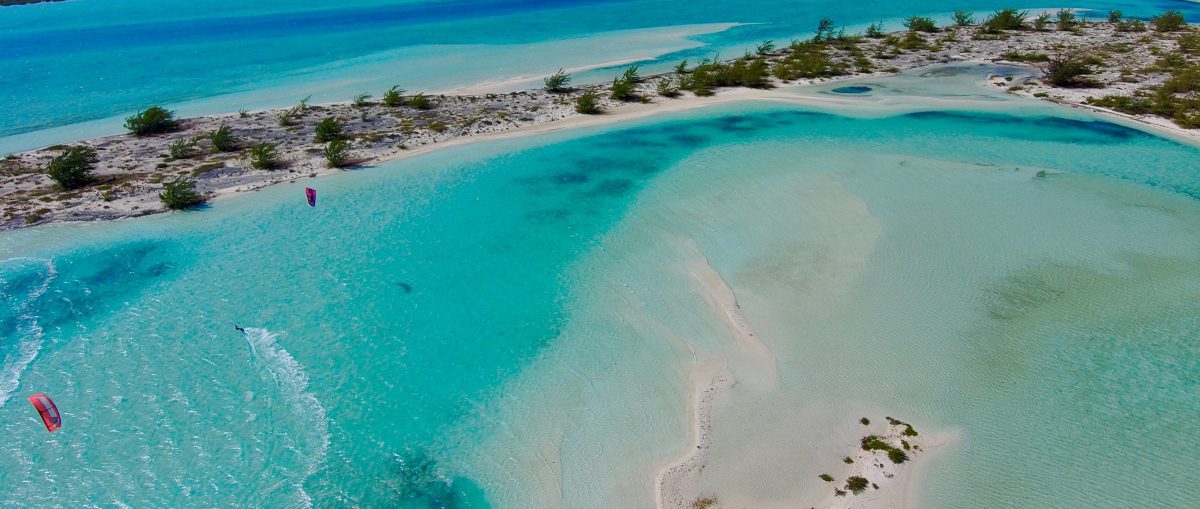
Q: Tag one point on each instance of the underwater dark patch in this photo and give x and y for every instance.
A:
(615, 187)
(570, 178)
(689, 140)
(1063, 129)
(855, 89)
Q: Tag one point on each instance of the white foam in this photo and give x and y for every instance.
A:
(28, 331)
(293, 384)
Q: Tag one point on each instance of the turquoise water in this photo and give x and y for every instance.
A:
(74, 69)
(507, 324)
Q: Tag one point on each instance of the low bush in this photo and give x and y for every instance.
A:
(72, 169)
(223, 139)
(588, 103)
(152, 120)
(558, 82)
(182, 148)
(920, 24)
(264, 157)
(180, 194)
(393, 97)
(856, 484)
(1006, 19)
(963, 18)
(337, 153)
(327, 130)
(1170, 21)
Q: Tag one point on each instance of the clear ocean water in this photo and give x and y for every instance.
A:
(511, 323)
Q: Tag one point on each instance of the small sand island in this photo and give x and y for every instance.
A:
(1145, 71)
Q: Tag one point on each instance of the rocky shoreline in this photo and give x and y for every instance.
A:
(130, 170)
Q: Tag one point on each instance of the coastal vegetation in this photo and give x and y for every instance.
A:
(182, 148)
(825, 477)
(72, 168)
(180, 194)
(1170, 21)
(337, 153)
(557, 83)
(588, 103)
(152, 120)
(857, 484)
(327, 130)
(222, 139)
(393, 97)
(264, 156)
(1122, 64)
(624, 87)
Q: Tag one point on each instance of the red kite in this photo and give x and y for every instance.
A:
(311, 194)
(48, 411)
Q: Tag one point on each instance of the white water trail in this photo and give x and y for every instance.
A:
(289, 375)
(29, 334)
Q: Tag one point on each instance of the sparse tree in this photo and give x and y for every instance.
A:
(1170, 21)
(558, 82)
(72, 169)
(360, 100)
(180, 194)
(223, 139)
(765, 48)
(963, 18)
(152, 120)
(327, 130)
(264, 157)
(920, 24)
(394, 96)
(337, 153)
(588, 103)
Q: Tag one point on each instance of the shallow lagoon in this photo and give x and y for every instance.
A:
(511, 323)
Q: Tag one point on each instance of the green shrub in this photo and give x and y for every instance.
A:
(875, 30)
(360, 100)
(897, 456)
(558, 82)
(624, 87)
(963, 18)
(420, 101)
(337, 153)
(857, 484)
(182, 148)
(824, 31)
(223, 139)
(865, 421)
(1067, 20)
(264, 157)
(588, 103)
(152, 120)
(765, 48)
(920, 24)
(848, 460)
(807, 60)
(1131, 25)
(288, 117)
(667, 88)
(72, 169)
(180, 194)
(874, 443)
(1170, 21)
(825, 477)
(1115, 16)
(1006, 19)
(909, 431)
(393, 97)
(327, 130)
(1041, 22)
(1068, 70)
(1032, 56)
(681, 67)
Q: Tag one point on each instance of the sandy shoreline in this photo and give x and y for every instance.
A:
(131, 170)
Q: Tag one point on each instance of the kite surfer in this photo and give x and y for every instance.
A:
(239, 328)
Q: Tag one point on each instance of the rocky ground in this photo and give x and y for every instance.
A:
(131, 169)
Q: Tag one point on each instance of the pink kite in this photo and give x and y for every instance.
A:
(311, 194)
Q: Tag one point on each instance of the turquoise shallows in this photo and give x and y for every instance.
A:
(439, 326)
(87, 64)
